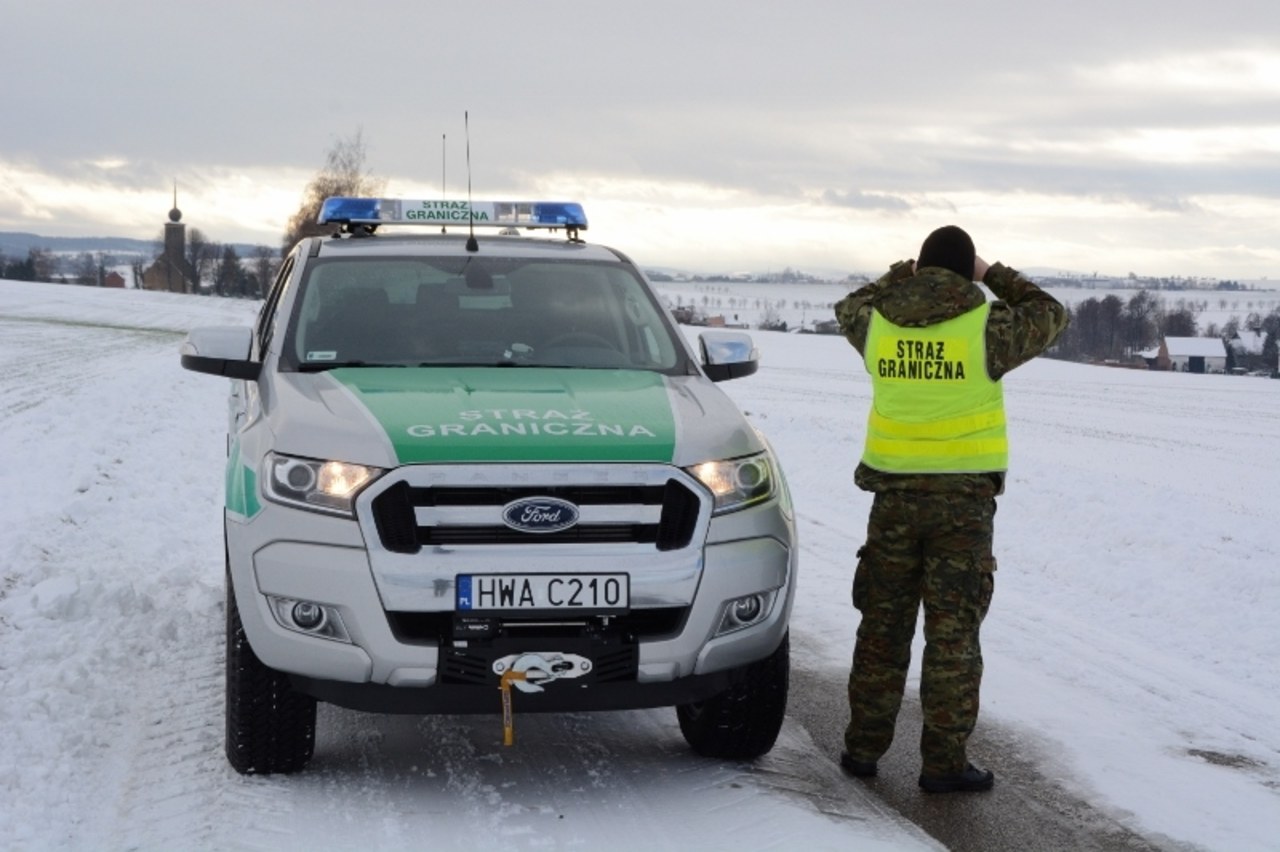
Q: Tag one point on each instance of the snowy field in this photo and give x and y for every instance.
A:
(801, 304)
(1133, 639)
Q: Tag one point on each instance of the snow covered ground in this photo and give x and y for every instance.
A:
(1133, 637)
(801, 304)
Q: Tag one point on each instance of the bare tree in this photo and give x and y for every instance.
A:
(1179, 323)
(1110, 316)
(227, 274)
(1087, 321)
(344, 173)
(1140, 319)
(1270, 330)
(772, 320)
(201, 254)
(43, 264)
(85, 268)
(265, 265)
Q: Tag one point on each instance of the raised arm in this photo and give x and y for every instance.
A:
(1024, 323)
(853, 312)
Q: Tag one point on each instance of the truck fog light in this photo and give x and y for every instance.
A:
(746, 611)
(310, 618)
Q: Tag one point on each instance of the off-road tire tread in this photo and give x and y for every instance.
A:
(742, 722)
(270, 727)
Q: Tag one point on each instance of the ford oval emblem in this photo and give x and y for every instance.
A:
(539, 514)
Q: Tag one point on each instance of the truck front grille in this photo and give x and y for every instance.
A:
(474, 515)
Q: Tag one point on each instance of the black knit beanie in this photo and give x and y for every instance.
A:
(949, 247)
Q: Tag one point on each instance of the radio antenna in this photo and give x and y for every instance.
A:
(472, 245)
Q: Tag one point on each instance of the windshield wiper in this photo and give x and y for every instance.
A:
(506, 362)
(321, 366)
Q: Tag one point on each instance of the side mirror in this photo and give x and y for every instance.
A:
(221, 351)
(728, 355)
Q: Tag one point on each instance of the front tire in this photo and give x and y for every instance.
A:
(742, 722)
(270, 727)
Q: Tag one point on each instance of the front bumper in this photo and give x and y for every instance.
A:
(675, 658)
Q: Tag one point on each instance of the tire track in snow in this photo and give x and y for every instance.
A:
(38, 372)
(179, 792)
(560, 779)
(121, 686)
(569, 780)
(1133, 675)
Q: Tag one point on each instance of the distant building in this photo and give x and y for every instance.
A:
(113, 279)
(687, 315)
(1192, 355)
(1247, 343)
(171, 270)
(1248, 351)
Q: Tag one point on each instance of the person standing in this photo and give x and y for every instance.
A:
(935, 458)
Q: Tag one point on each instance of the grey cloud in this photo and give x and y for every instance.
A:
(1170, 204)
(1151, 183)
(881, 107)
(864, 201)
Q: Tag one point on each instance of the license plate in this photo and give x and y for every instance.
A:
(560, 592)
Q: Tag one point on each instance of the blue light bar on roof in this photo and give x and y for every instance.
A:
(498, 214)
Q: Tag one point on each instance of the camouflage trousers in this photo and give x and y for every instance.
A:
(935, 549)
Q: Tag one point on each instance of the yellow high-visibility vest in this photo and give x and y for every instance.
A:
(935, 409)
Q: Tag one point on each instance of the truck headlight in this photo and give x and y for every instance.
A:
(322, 486)
(737, 483)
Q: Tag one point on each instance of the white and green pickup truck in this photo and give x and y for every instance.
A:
(487, 475)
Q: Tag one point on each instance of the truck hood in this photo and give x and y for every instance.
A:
(389, 416)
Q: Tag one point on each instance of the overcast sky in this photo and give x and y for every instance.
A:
(1118, 136)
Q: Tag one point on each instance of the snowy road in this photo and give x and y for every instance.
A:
(111, 620)
(1131, 651)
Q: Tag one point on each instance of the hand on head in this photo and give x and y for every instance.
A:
(980, 268)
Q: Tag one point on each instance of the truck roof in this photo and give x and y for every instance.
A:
(454, 245)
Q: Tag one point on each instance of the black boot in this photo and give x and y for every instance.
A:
(858, 768)
(970, 780)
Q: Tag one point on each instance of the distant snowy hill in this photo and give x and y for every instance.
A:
(18, 243)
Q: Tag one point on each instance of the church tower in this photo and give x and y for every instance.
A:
(175, 245)
(171, 271)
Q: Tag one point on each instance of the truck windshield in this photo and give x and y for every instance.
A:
(440, 311)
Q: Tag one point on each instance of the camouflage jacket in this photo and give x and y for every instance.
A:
(1023, 322)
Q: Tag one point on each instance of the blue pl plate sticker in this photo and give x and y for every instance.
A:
(464, 591)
